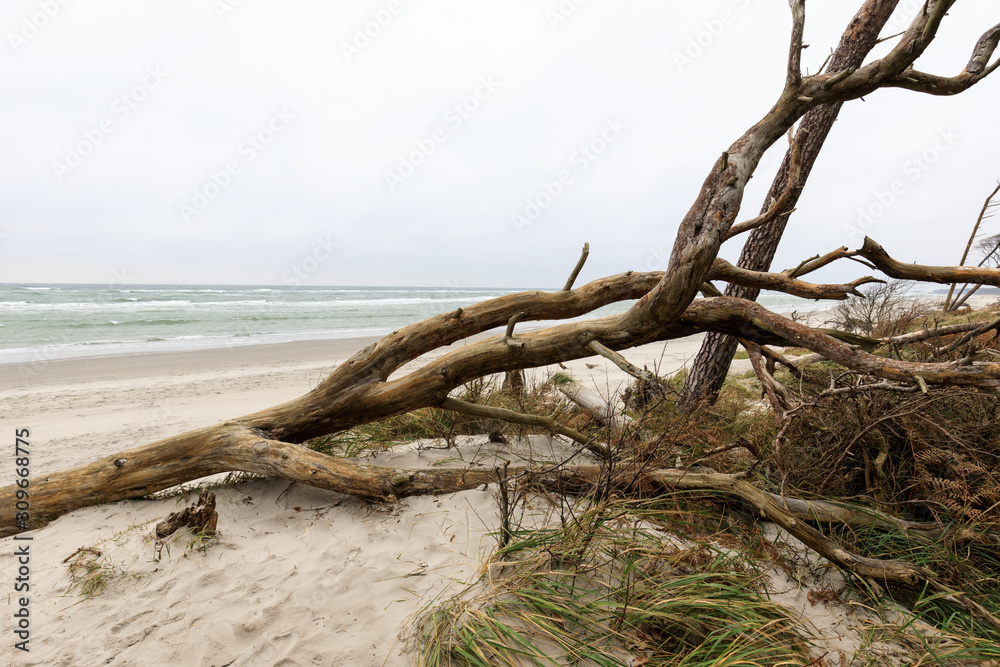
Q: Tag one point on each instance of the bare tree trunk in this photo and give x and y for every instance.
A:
(710, 367)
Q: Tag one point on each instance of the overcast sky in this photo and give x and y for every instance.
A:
(445, 142)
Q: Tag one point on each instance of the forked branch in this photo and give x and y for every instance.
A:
(977, 68)
(779, 207)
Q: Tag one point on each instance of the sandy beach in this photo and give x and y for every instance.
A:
(299, 577)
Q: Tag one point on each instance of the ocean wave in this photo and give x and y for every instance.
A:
(108, 347)
(129, 304)
(88, 305)
(405, 301)
(89, 320)
(130, 323)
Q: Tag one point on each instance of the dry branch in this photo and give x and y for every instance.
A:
(576, 269)
(924, 334)
(781, 282)
(265, 442)
(959, 342)
(776, 393)
(987, 205)
(978, 67)
(622, 363)
(200, 517)
(548, 423)
(713, 313)
(595, 405)
(710, 366)
(947, 275)
(794, 75)
(817, 262)
(780, 206)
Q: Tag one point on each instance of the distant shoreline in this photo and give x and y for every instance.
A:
(28, 359)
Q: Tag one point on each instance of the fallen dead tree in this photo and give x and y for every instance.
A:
(269, 442)
(364, 388)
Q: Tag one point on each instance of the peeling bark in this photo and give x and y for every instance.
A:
(709, 369)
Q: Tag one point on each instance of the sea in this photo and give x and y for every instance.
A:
(41, 322)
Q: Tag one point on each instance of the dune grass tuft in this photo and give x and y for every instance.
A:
(612, 588)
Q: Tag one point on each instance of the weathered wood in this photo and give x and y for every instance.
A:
(707, 223)
(538, 421)
(622, 363)
(781, 282)
(978, 67)
(576, 269)
(200, 517)
(595, 405)
(251, 443)
(711, 365)
(360, 390)
(893, 268)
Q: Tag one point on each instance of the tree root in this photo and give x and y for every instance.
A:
(199, 517)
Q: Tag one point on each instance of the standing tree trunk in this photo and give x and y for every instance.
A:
(711, 365)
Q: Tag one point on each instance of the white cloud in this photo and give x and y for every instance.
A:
(325, 175)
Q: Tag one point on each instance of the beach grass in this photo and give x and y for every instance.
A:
(613, 587)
